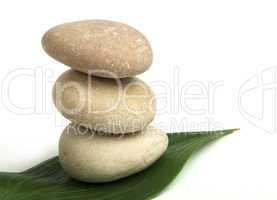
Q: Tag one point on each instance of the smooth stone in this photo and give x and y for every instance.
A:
(93, 158)
(99, 47)
(115, 106)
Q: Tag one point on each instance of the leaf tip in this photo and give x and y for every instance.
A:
(235, 129)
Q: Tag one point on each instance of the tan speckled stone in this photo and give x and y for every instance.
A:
(93, 158)
(107, 105)
(99, 47)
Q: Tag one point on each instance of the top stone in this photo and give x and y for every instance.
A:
(99, 47)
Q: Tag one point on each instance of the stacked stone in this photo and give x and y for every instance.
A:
(109, 137)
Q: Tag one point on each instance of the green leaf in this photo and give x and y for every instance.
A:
(48, 181)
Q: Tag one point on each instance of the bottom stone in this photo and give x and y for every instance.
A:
(95, 158)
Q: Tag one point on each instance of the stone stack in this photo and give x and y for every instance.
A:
(109, 137)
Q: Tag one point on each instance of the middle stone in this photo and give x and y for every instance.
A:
(114, 106)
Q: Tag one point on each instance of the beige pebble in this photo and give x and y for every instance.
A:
(114, 106)
(93, 158)
(99, 47)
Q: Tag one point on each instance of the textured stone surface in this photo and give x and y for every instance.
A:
(107, 105)
(89, 157)
(103, 48)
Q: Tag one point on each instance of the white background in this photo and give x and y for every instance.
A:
(229, 42)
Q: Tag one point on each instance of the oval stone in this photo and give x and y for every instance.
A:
(114, 106)
(99, 47)
(93, 158)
